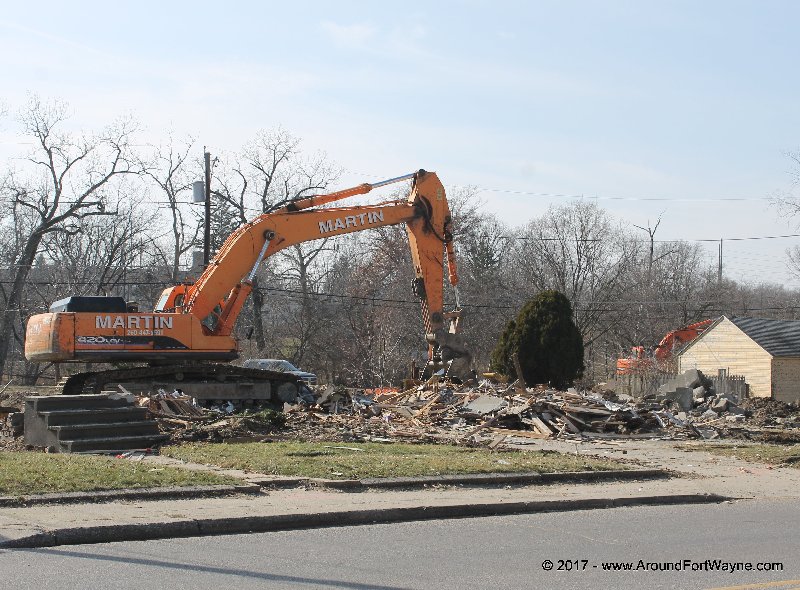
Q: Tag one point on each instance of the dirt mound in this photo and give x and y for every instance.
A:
(764, 410)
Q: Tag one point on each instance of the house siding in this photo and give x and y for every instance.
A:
(724, 346)
(786, 379)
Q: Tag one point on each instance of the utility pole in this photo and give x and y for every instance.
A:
(719, 267)
(207, 228)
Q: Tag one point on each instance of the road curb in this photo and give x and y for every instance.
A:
(254, 486)
(164, 493)
(284, 522)
(490, 479)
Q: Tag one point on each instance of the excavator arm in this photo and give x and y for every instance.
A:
(218, 296)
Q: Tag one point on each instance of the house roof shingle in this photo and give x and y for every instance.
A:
(777, 337)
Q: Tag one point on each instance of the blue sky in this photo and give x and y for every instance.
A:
(689, 102)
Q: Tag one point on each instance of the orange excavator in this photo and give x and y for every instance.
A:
(642, 360)
(192, 324)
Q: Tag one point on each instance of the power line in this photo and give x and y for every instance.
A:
(646, 241)
(739, 239)
(584, 195)
(606, 307)
(613, 198)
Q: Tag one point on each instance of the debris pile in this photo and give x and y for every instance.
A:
(486, 412)
(765, 412)
(12, 416)
(245, 427)
(169, 405)
(12, 422)
(721, 413)
(177, 414)
(442, 410)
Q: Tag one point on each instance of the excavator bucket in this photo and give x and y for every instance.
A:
(456, 358)
(451, 353)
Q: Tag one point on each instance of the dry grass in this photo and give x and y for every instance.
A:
(37, 473)
(788, 455)
(364, 460)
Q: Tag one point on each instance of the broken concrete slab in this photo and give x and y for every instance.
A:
(731, 397)
(682, 396)
(485, 404)
(699, 394)
(720, 405)
(691, 379)
(708, 433)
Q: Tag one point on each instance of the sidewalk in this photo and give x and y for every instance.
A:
(706, 478)
(707, 472)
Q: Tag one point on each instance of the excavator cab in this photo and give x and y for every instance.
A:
(172, 299)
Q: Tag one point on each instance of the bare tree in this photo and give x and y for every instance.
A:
(100, 258)
(270, 172)
(64, 180)
(662, 296)
(577, 250)
(485, 283)
(377, 329)
(652, 258)
(788, 206)
(172, 171)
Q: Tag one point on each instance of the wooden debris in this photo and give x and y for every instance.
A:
(497, 440)
(436, 410)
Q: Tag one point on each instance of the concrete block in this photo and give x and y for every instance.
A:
(708, 433)
(485, 404)
(691, 379)
(735, 410)
(682, 396)
(699, 394)
(720, 405)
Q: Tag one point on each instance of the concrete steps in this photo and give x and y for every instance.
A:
(99, 416)
(87, 423)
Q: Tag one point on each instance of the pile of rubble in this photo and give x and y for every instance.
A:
(441, 410)
(170, 405)
(435, 410)
(11, 422)
(486, 412)
(178, 414)
(722, 414)
(12, 419)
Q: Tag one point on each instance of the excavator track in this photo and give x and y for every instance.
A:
(203, 381)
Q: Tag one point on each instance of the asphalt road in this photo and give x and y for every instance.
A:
(480, 553)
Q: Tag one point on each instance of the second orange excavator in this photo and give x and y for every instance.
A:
(192, 324)
(659, 358)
